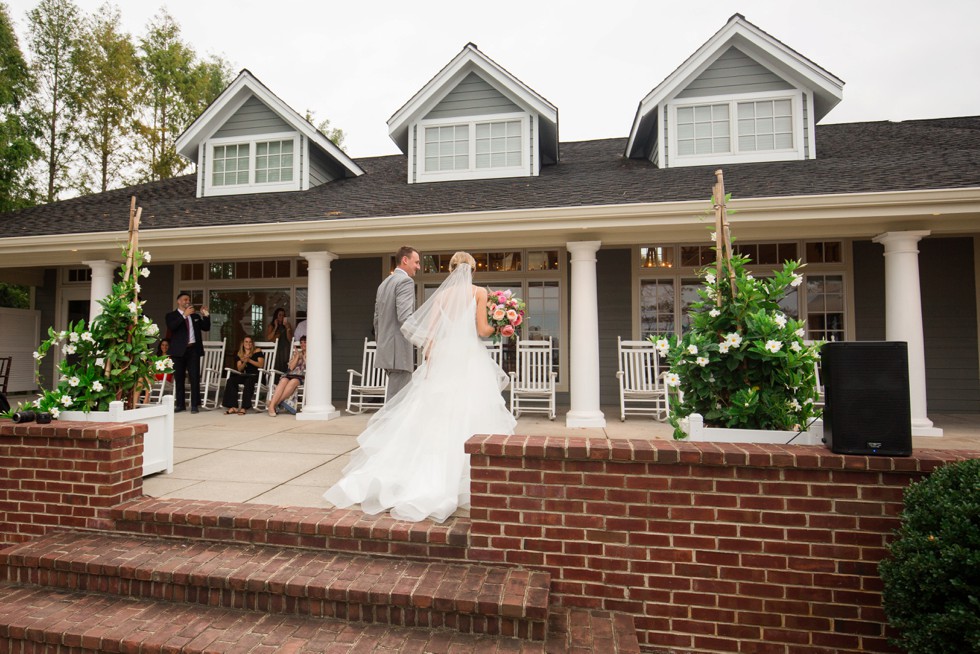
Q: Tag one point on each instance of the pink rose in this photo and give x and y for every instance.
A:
(511, 316)
(518, 320)
(506, 331)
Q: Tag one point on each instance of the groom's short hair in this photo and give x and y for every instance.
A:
(403, 251)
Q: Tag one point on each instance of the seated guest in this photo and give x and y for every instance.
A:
(250, 361)
(291, 380)
(163, 347)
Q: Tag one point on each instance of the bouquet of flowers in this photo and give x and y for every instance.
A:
(505, 312)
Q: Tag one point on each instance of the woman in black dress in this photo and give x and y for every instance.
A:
(250, 360)
(280, 329)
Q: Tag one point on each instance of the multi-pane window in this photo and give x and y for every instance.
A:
(274, 161)
(656, 306)
(269, 269)
(765, 125)
(447, 148)
(79, 275)
(703, 129)
(498, 145)
(229, 164)
(825, 307)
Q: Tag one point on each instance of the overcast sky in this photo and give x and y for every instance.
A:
(357, 62)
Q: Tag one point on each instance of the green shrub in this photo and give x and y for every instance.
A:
(932, 580)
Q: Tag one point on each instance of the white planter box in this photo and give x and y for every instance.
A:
(694, 427)
(158, 442)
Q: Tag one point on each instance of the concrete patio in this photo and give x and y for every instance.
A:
(282, 461)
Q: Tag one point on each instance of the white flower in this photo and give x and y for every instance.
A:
(73, 382)
(702, 361)
(663, 346)
(132, 307)
(750, 276)
(96, 386)
(137, 287)
(55, 412)
(169, 362)
(795, 346)
(797, 280)
(714, 236)
(63, 378)
(87, 337)
(672, 379)
(780, 320)
(69, 349)
(37, 355)
(774, 346)
(73, 337)
(146, 257)
(692, 349)
(710, 278)
(37, 402)
(161, 365)
(145, 272)
(800, 333)
(61, 335)
(714, 313)
(100, 362)
(793, 404)
(66, 400)
(723, 347)
(152, 330)
(808, 400)
(734, 339)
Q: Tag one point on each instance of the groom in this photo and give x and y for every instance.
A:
(395, 302)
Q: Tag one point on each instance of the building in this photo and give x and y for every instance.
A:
(602, 238)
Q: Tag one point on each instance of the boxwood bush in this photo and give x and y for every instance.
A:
(932, 579)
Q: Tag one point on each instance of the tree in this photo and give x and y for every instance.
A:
(177, 88)
(18, 128)
(53, 28)
(110, 71)
(335, 134)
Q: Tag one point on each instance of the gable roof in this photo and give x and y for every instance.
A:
(244, 86)
(757, 44)
(469, 60)
(870, 157)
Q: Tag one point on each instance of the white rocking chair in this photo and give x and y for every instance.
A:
(265, 374)
(212, 367)
(495, 350)
(532, 384)
(641, 387)
(366, 388)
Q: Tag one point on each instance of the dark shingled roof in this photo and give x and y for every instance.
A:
(852, 158)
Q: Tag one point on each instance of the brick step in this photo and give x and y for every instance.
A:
(342, 530)
(37, 619)
(470, 598)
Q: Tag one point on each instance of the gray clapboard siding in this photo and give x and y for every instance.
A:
(734, 72)
(473, 96)
(869, 291)
(355, 283)
(615, 318)
(253, 118)
(322, 168)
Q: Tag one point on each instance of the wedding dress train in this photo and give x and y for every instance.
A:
(410, 458)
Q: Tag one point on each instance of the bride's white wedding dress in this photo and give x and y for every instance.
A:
(411, 458)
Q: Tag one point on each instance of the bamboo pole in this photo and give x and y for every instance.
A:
(724, 232)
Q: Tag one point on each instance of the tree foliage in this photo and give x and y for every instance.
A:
(334, 134)
(53, 37)
(18, 127)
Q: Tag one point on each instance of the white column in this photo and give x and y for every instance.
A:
(583, 346)
(103, 273)
(317, 403)
(903, 317)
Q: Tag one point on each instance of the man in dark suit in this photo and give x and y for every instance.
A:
(186, 349)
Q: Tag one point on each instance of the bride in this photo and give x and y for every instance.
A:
(410, 458)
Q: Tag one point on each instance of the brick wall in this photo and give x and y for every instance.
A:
(712, 547)
(65, 475)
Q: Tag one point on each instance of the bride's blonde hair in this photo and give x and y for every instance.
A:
(462, 257)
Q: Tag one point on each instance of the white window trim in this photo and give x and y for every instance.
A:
(473, 172)
(796, 152)
(253, 187)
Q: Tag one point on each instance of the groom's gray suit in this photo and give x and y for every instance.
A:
(394, 304)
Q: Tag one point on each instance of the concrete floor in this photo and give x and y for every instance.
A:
(282, 461)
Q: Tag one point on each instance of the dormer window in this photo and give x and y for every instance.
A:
(738, 129)
(475, 148)
(251, 166)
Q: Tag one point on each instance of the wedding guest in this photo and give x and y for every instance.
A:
(163, 349)
(249, 361)
(185, 325)
(280, 329)
(291, 380)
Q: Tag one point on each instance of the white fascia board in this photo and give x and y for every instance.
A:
(445, 81)
(946, 211)
(805, 73)
(233, 97)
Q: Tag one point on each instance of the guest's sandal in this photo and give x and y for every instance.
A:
(242, 411)
(231, 411)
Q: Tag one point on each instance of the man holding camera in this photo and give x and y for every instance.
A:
(186, 349)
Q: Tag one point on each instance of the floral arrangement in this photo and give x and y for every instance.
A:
(505, 312)
(743, 363)
(113, 357)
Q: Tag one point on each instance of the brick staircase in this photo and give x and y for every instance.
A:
(209, 577)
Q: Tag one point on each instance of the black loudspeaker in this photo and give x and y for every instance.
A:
(866, 392)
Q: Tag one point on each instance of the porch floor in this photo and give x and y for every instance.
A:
(282, 461)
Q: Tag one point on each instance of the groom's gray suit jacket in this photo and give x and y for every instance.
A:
(394, 304)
